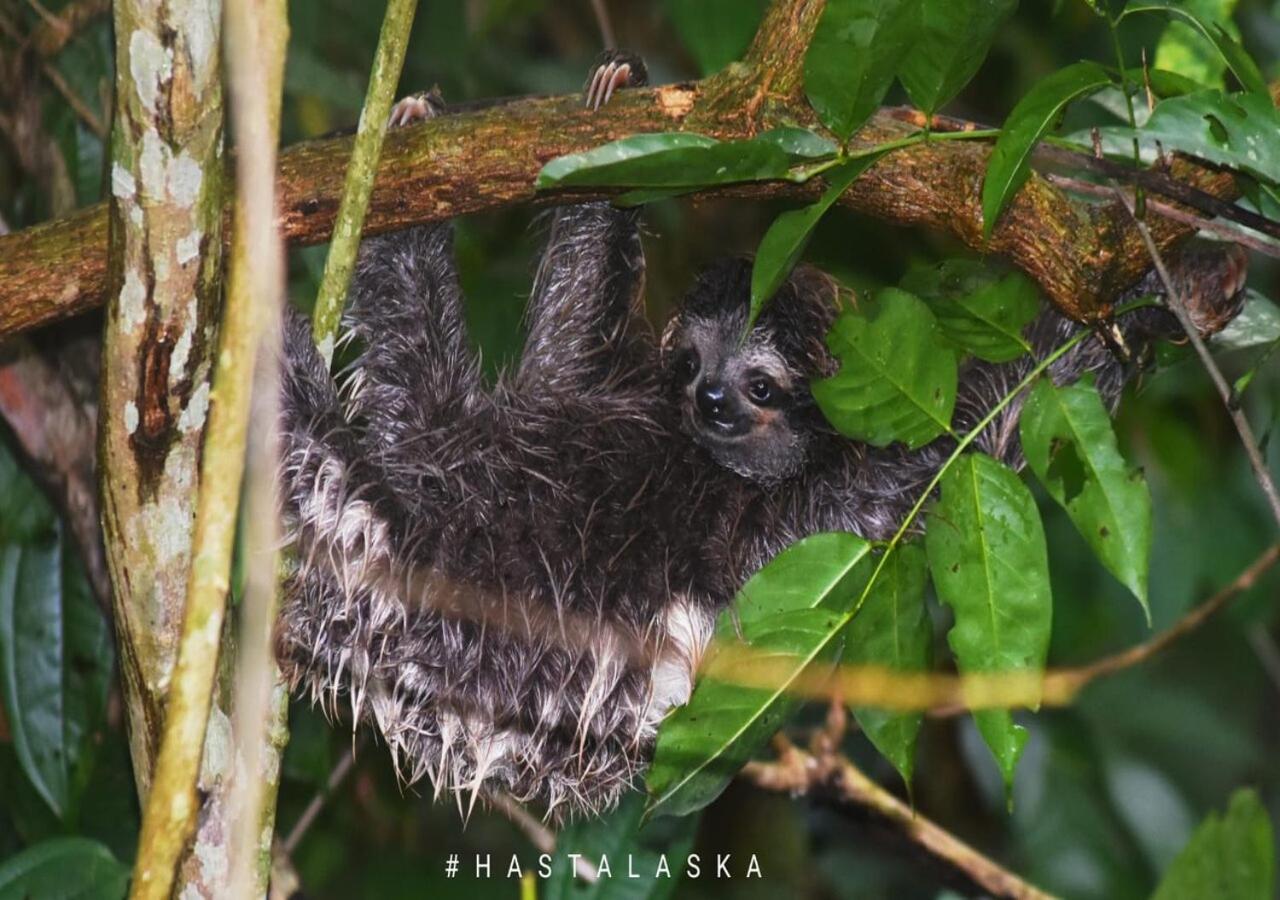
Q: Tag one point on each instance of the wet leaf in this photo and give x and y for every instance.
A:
(1068, 442)
(1232, 53)
(896, 381)
(1231, 857)
(989, 562)
(784, 242)
(979, 310)
(892, 629)
(851, 61)
(1033, 117)
(955, 36)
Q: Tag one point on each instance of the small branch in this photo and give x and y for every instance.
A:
(309, 815)
(833, 774)
(1069, 682)
(1179, 309)
(56, 31)
(1233, 232)
(387, 62)
(601, 12)
(538, 834)
(1151, 180)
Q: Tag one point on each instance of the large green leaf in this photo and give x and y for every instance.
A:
(896, 380)
(1031, 119)
(955, 36)
(892, 629)
(789, 612)
(1234, 55)
(851, 61)
(782, 244)
(717, 32)
(1069, 444)
(987, 554)
(1184, 48)
(1237, 130)
(69, 868)
(55, 650)
(978, 310)
(1228, 858)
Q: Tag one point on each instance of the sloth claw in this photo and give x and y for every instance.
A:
(615, 70)
(416, 108)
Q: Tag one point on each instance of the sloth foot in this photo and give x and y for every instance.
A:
(416, 108)
(615, 69)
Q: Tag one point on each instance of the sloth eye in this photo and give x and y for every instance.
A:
(688, 365)
(760, 390)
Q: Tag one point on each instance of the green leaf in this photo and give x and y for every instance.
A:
(55, 650)
(1228, 858)
(1237, 130)
(1257, 323)
(717, 32)
(1183, 48)
(896, 381)
(954, 39)
(799, 143)
(784, 242)
(1068, 442)
(1234, 55)
(987, 554)
(851, 60)
(792, 609)
(978, 310)
(70, 868)
(892, 629)
(1031, 119)
(672, 162)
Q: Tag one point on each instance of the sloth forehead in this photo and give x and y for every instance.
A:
(717, 341)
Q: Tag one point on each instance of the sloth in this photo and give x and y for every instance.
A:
(512, 584)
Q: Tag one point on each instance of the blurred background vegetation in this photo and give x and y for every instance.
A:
(1109, 790)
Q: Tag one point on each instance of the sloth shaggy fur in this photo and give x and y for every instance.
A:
(513, 583)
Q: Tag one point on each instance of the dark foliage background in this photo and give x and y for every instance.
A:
(1109, 790)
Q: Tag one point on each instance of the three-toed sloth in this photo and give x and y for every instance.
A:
(513, 584)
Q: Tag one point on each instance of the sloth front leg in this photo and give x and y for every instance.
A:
(584, 319)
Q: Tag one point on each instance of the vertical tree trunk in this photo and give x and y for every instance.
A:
(167, 193)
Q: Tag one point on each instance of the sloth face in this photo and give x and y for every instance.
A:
(739, 399)
(747, 401)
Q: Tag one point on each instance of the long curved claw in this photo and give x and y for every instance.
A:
(416, 108)
(607, 78)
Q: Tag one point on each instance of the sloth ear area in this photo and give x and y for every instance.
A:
(670, 331)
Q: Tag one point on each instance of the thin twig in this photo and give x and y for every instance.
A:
(607, 36)
(1233, 232)
(53, 34)
(1179, 309)
(538, 834)
(78, 106)
(309, 815)
(800, 772)
(358, 186)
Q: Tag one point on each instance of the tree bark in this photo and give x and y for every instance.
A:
(1081, 254)
(166, 238)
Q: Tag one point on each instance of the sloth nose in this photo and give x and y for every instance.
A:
(711, 402)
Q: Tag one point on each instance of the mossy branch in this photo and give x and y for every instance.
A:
(1081, 254)
(387, 64)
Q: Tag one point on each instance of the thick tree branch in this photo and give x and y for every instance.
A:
(1081, 254)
